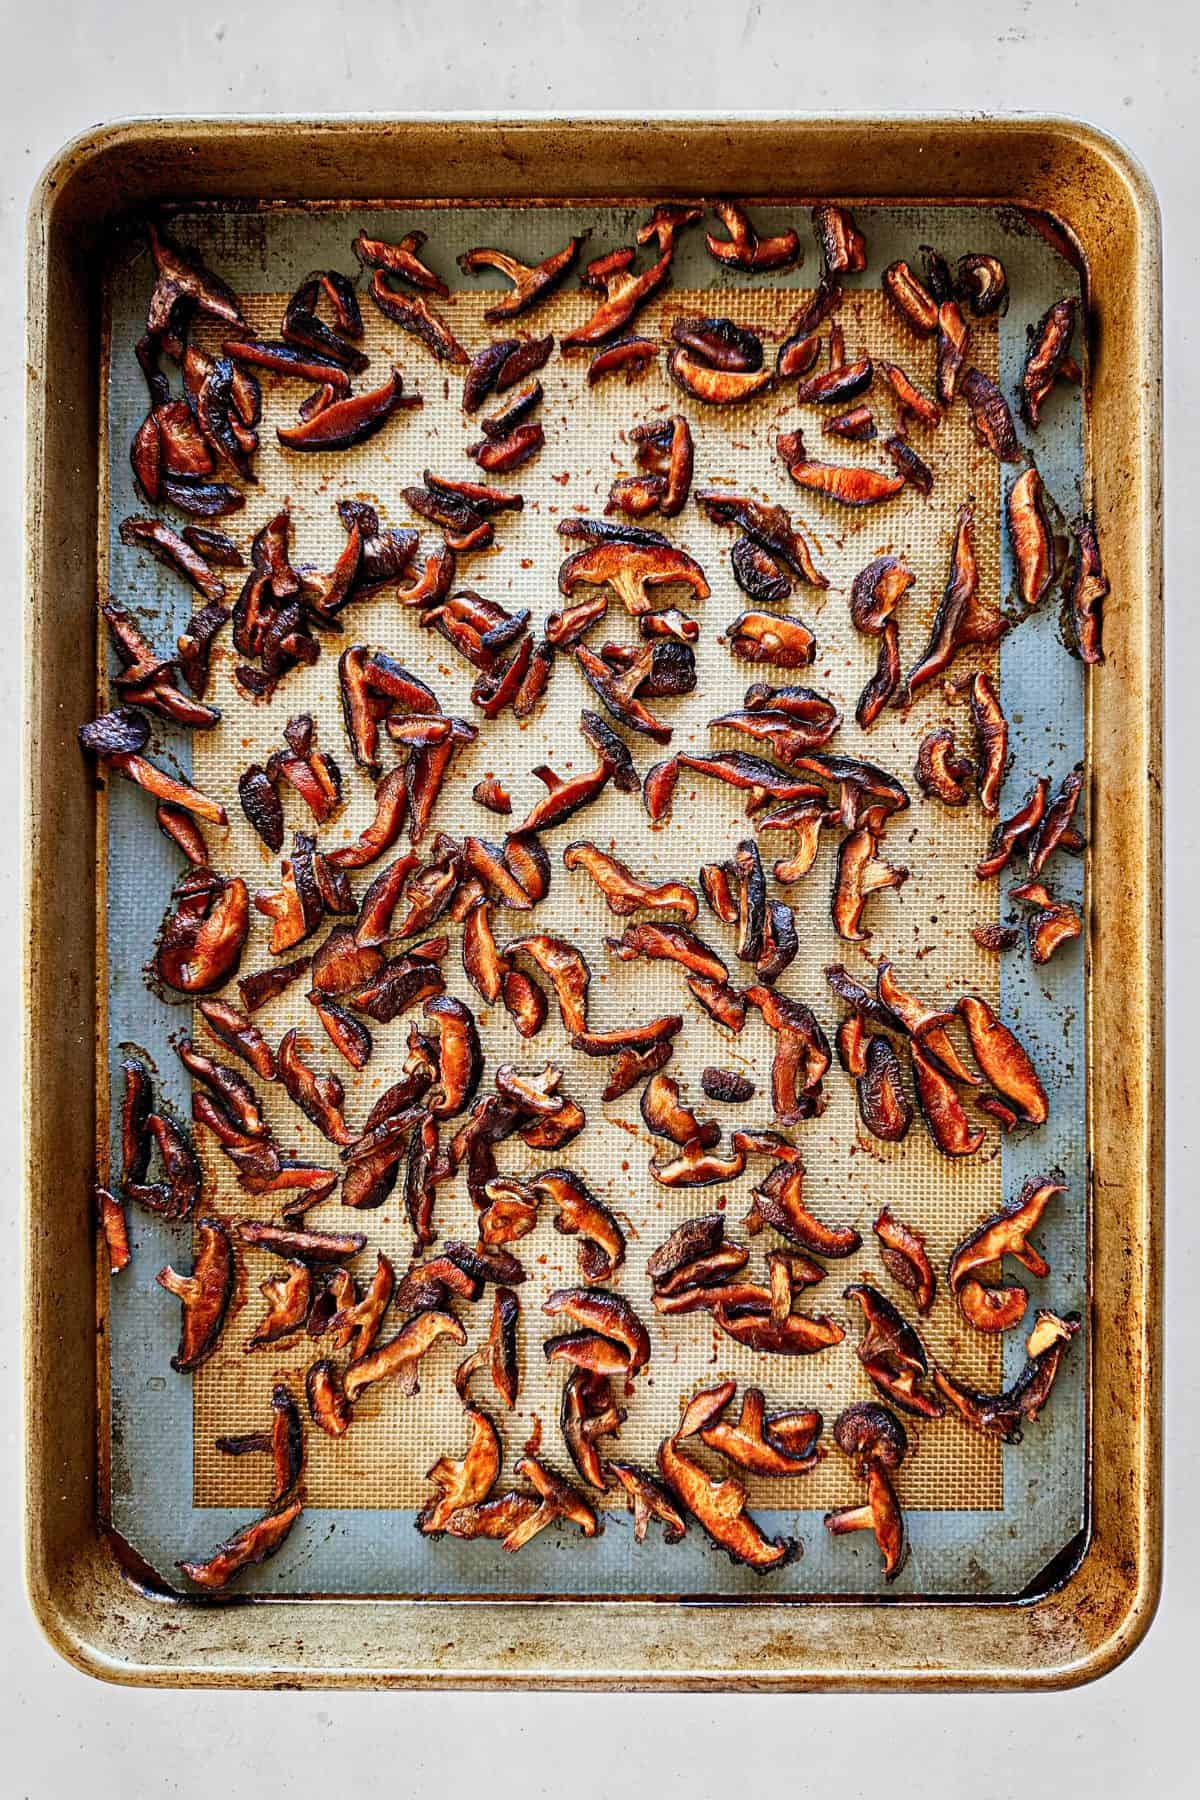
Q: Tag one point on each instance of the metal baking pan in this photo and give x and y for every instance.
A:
(1091, 1604)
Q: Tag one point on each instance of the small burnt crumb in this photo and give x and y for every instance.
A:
(727, 1084)
(995, 937)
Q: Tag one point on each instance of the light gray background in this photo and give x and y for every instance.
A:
(1133, 70)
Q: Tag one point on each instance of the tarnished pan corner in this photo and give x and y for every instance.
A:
(96, 1614)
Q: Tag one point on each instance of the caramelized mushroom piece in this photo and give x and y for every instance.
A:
(259, 989)
(588, 1414)
(861, 872)
(715, 386)
(991, 739)
(565, 968)
(849, 484)
(953, 337)
(727, 1085)
(558, 1500)
(990, 418)
(204, 1294)
(624, 892)
(319, 1097)
(719, 1505)
(751, 1443)
(902, 1253)
(400, 1358)
(802, 1055)
(344, 423)
(648, 1500)
(305, 1246)
(402, 259)
(624, 293)
(942, 774)
(355, 1325)
(1014, 830)
(464, 1483)
(498, 1352)
(892, 1354)
(328, 1406)
(1004, 1060)
(631, 1066)
(941, 1108)
(630, 354)
(743, 249)
(779, 1203)
(770, 527)
(235, 1030)
(632, 569)
(843, 247)
(1001, 1415)
(415, 315)
(779, 638)
(288, 1299)
(981, 283)
(1049, 347)
(876, 1442)
(578, 1212)
(1051, 923)
(1057, 822)
(665, 1115)
(1086, 591)
(202, 939)
(883, 1105)
(251, 1545)
(911, 298)
(962, 618)
(1006, 1233)
(531, 282)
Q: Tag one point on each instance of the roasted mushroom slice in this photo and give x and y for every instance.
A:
(400, 1358)
(463, 1483)
(843, 247)
(861, 872)
(578, 1213)
(319, 1097)
(850, 484)
(288, 1299)
(942, 774)
(962, 618)
(991, 739)
(802, 1055)
(1004, 1060)
(565, 967)
(402, 259)
(752, 1442)
(1087, 588)
(779, 1203)
(1056, 830)
(903, 1254)
(1049, 347)
(648, 1500)
(558, 1500)
(415, 315)
(246, 1548)
(981, 283)
(355, 1326)
(715, 386)
(719, 1505)
(727, 1085)
(498, 1353)
(883, 1105)
(623, 891)
(876, 1443)
(743, 249)
(632, 569)
(799, 1334)
(892, 1354)
(344, 423)
(1013, 831)
(204, 1294)
(306, 1246)
(941, 1108)
(1001, 1415)
(1006, 1233)
(911, 298)
(624, 293)
(990, 418)
(664, 1114)
(202, 938)
(328, 1407)
(779, 638)
(531, 283)
(588, 1414)
(1051, 922)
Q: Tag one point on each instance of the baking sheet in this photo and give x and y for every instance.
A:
(984, 1520)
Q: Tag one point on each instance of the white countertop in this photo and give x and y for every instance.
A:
(1135, 71)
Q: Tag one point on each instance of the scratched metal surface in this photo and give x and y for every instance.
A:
(993, 1551)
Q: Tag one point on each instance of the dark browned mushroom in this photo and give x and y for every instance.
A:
(990, 418)
(415, 315)
(1049, 347)
(344, 423)
(719, 1505)
(911, 298)
(991, 739)
(1004, 1060)
(630, 354)
(202, 938)
(941, 772)
(876, 1443)
(531, 282)
(1031, 537)
(903, 1254)
(941, 1108)
(802, 1055)
(1051, 922)
(1086, 591)
(400, 1358)
(246, 1548)
(1001, 1415)
(328, 1407)
(1013, 831)
(623, 294)
(204, 1294)
(743, 249)
(850, 484)
(843, 247)
(465, 1483)
(883, 1105)
(1056, 830)
(779, 638)
(752, 1443)
(962, 618)
(892, 1354)
(578, 1213)
(981, 283)
(779, 1203)
(402, 259)
(1006, 1233)
(861, 872)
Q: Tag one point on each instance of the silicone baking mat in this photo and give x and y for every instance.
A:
(984, 1518)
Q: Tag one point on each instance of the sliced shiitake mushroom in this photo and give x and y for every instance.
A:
(719, 1505)
(1004, 1060)
(892, 1354)
(991, 739)
(903, 1254)
(531, 282)
(578, 1213)
(400, 1358)
(1087, 589)
(911, 298)
(466, 1482)
(1050, 923)
(876, 1443)
(204, 1294)
(1006, 1233)
(753, 1442)
(962, 618)
(1001, 1415)
(991, 420)
(1049, 347)
(942, 773)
